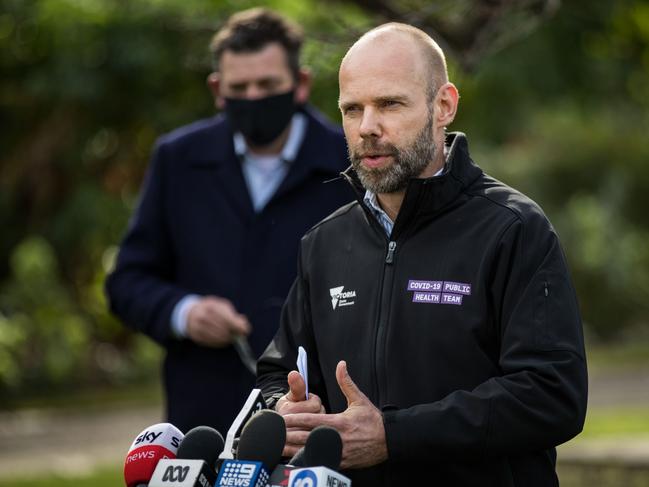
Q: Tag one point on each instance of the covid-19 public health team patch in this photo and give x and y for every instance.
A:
(438, 292)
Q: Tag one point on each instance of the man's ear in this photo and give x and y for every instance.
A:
(303, 88)
(446, 102)
(214, 84)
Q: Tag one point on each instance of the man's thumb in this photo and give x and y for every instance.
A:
(346, 384)
(297, 387)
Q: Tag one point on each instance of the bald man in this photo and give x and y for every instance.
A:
(442, 330)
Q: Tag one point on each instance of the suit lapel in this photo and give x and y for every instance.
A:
(313, 157)
(220, 165)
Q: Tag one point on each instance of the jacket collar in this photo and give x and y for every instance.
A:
(425, 196)
(313, 153)
(215, 154)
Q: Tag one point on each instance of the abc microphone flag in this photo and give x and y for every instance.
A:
(195, 462)
(182, 472)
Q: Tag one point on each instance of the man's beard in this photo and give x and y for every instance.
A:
(408, 162)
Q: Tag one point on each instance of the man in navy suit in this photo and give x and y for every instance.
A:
(211, 251)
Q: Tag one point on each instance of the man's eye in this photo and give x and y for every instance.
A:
(350, 110)
(389, 103)
(269, 85)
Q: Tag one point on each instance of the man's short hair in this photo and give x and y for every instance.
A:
(433, 56)
(252, 30)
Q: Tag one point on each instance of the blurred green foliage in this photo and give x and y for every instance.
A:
(107, 476)
(87, 85)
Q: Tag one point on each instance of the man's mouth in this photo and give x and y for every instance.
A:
(375, 160)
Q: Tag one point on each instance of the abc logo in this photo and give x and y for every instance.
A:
(175, 474)
(305, 478)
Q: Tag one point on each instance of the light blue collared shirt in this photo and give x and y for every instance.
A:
(263, 175)
(372, 203)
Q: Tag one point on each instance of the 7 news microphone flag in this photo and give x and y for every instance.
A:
(253, 404)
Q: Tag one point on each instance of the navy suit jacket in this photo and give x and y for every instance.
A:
(195, 231)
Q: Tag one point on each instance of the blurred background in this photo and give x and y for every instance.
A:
(554, 99)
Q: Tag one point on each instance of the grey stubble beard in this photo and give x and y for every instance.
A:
(408, 162)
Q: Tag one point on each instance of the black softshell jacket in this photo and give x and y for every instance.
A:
(462, 326)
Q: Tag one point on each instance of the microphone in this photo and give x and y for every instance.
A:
(259, 451)
(253, 404)
(323, 448)
(321, 456)
(149, 447)
(194, 465)
(202, 443)
(317, 477)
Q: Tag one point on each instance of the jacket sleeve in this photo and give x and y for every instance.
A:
(539, 398)
(280, 356)
(140, 289)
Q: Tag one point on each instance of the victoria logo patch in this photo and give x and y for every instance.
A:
(340, 297)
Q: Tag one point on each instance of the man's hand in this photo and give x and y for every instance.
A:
(213, 322)
(294, 401)
(360, 425)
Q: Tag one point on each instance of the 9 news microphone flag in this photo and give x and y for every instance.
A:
(259, 451)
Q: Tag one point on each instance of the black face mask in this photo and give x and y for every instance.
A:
(261, 121)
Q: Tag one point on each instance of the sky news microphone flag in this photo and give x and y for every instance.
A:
(149, 447)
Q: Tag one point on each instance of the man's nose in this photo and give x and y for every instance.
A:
(253, 92)
(370, 124)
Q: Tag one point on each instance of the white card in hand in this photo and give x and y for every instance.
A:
(302, 368)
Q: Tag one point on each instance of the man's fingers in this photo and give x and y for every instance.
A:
(290, 450)
(239, 325)
(313, 405)
(223, 313)
(308, 421)
(297, 437)
(297, 387)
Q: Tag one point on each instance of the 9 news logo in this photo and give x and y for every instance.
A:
(242, 474)
(305, 478)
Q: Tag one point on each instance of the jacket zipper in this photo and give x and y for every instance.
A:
(382, 324)
(385, 293)
(390, 257)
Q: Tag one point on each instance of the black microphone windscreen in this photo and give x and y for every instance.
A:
(263, 438)
(201, 443)
(298, 459)
(323, 448)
